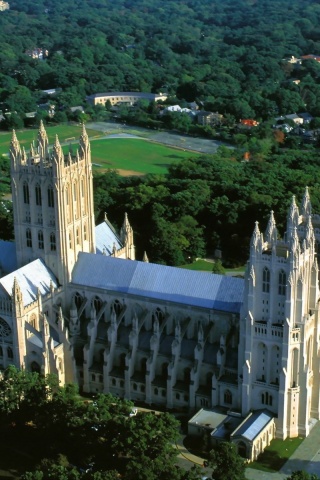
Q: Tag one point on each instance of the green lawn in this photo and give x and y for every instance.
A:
(201, 265)
(128, 155)
(276, 455)
(135, 155)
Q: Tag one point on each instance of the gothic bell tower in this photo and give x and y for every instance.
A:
(52, 196)
(279, 326)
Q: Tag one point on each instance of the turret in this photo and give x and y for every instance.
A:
(271, 231)
(306, 208)
(292, 219)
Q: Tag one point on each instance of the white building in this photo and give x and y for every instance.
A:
(152, 333)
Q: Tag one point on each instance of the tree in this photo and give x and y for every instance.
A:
(302, 475)
(218, 268)
(226, 463)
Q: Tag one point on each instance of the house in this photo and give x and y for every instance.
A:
(209, 118)
(306, 117)
(129, 98)
(248, 123)
(311, 57)
(4, 6)
(296, 118)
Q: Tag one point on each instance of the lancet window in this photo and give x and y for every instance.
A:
(38, 194)
(266, 280)
(50, 197)
(40, 240)
(26, 197)
(282, 283)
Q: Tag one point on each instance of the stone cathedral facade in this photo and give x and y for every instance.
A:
(75, 302)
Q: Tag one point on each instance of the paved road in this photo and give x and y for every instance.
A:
(184, 142)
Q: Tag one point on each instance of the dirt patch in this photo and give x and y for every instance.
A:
(129, 173)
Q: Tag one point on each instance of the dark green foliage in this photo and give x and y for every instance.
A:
(226, 462)
(207, 203)
(231, 58)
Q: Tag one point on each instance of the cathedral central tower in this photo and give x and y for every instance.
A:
(52, 196)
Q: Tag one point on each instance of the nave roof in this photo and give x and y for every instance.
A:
(199, 289)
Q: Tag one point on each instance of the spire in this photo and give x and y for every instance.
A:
(295, 246)
(306, 204)
(84, 145)
(15, 150)
(309, 232)
(57, 150)
(145, 257)
(256, 239)
(271, 231)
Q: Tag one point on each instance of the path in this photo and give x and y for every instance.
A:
(185, 142)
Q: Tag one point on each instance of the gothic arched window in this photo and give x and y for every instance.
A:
(50, 197)
(38, 194)
(53, 245)
(9, 352)
(282, 283)
(40, 240)
(266, 280)
(78, 236)
(228, 397)
(26, 197)
(5, 330)
(85, 232)
(29, 237)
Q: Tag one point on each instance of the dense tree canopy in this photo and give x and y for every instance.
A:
(231, 52)
(68, 437)
(208, 202)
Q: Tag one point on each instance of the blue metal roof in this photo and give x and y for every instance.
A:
(200, 289)
(8, 258)
(30, 278)
(254, 424)
(106, 237)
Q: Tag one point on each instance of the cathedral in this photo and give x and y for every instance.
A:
(76, 303)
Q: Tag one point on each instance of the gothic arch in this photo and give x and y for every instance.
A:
(77, 300)
(122, 360)
(227, 397)
(5, 330)
(282, 282)
(35, 367)
(50, 196)
(262, 354)
(97, 303)
(38, 194)
(164, 370)
(294, 368)
(26, 195)
(40, 240)
(242, 449)
(274, 364)
(143, 365)
(266, 280)
(187, 375)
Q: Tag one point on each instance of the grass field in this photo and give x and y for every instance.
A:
(130, 156)
(135, 155)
